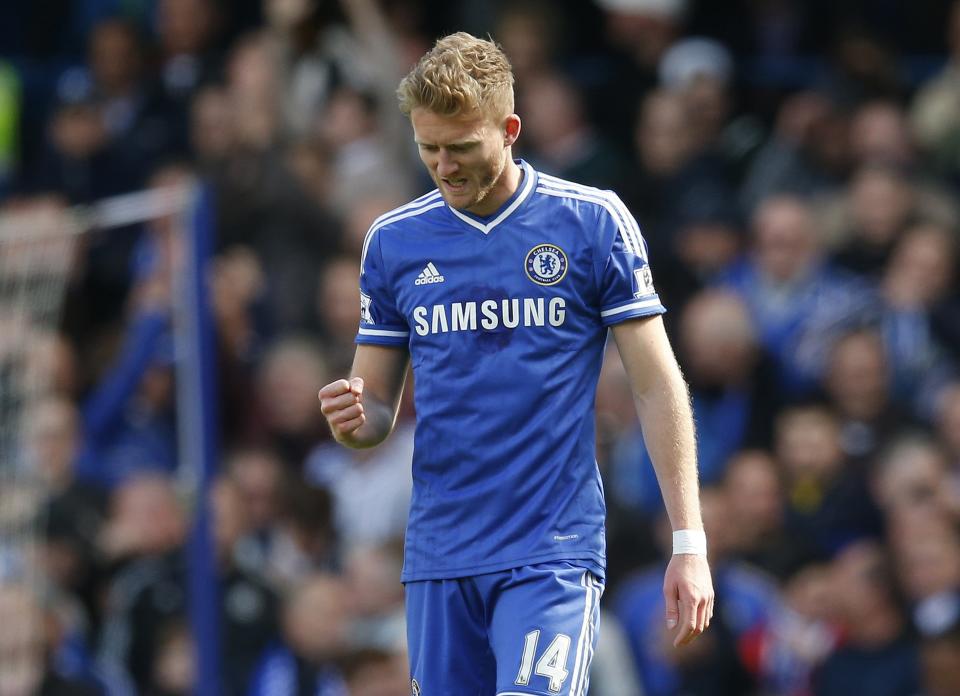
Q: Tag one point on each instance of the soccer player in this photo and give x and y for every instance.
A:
(499, 288)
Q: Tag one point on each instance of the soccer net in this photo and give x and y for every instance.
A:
(42, 247)
(37, 250)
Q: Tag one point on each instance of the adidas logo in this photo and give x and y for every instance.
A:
(429, 275)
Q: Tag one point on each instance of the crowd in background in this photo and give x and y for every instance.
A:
(794, 167)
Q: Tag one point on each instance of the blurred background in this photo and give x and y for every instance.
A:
(794, 167)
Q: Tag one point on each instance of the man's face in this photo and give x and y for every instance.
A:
(466, 155)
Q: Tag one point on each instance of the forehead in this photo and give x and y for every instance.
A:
(441, 129)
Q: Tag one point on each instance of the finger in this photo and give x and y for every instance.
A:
(341, 386)
(702, 616)
(710, 610)
(672, 613)
(329, 406)
(346, 414)
(351, 425)
(356, 385)
(688, 624)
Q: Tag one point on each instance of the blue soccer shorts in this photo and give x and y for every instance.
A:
(529, 630)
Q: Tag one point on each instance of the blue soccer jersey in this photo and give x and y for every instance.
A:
(505, 319)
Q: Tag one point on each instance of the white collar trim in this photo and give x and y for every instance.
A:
(528, 177)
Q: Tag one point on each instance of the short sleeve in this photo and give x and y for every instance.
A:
(626, 280)
(380, 321)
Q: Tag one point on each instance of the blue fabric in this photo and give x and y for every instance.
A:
(798, 322)
(120, 439)
(505, 320)
(889, 670)
(469, 636)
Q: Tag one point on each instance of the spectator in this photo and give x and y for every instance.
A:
(363, 161)
(374, 597)
(910, 481)
(927, 562)
(306, 541)
(934, 114)
(948, 429)
(882, 201)
(174, 670)
(879, 133)
(134, 115)
(561, 140)
(187, 30)
(877, 657)
(807, 155)
(637, 36)
(530, 35)
(754, 487)
(918, 315)
(798, 302)
(370, 672)
(371, 488)
(78, 160)
(314, 630)
(212, 130)
(259, 475)
(287, 399)
(701, 71)
(151, 594)
(828, 503)
(25, 648)
(337, 307)
(802, 632)
(675, 185)
(128, 419)
(73, 512)
(858, 382)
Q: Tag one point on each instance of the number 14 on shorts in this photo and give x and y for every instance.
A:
(552, 662)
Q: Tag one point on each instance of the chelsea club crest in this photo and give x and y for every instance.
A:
(546, 264)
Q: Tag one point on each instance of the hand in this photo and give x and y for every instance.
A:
(688, 593)
(341, 404)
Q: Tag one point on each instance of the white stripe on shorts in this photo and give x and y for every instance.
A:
(581, 665)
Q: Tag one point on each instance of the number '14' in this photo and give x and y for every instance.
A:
(552, 663)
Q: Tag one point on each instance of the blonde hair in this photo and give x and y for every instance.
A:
(460, 74)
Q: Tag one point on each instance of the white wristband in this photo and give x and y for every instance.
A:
(692, 541)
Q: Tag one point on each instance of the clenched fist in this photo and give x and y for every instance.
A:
(342, 405)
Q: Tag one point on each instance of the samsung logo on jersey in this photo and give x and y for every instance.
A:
(490, 315)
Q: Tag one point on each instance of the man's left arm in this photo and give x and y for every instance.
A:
(663, 405)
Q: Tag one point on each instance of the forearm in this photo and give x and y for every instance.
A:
(668, 432)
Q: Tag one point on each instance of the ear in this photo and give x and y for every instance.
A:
(511, 129)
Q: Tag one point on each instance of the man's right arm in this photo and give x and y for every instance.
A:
(362, 411)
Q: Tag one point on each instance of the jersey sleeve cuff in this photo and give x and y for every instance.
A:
(643, 307)
(383, 335)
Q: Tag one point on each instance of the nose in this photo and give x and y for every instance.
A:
(446, 165)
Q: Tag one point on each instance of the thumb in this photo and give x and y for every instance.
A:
(672, 614)
(356, 385)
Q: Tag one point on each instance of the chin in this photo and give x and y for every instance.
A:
(461, 203)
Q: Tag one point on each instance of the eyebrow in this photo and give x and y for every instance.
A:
(459, 144)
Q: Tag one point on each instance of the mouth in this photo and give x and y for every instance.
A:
(455, 185)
